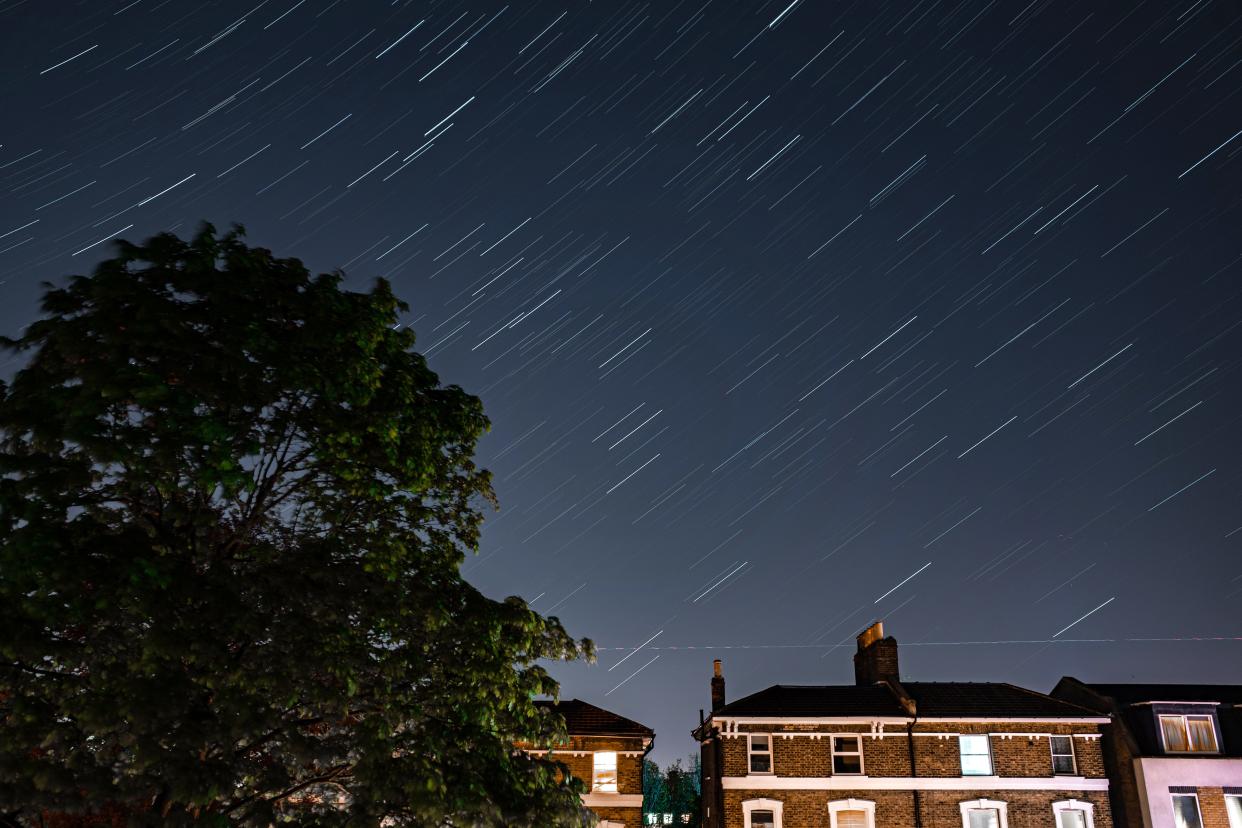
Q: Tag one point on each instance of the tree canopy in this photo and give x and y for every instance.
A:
(233, 505)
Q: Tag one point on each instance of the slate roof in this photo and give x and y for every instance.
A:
(583, 719)
(934, 699)
(1125, 694)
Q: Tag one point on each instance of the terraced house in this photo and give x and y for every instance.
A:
(883, 752)
(606, 752)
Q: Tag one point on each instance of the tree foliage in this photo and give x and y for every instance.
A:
(673, 790)
(233, 506)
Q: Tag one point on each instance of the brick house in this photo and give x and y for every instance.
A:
(606, 752)
(1173, 752)
(888, 753)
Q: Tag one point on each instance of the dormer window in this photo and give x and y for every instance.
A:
(760, 753)
(1188, 734)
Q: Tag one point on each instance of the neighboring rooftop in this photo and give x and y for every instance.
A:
(950, 699)
(1137, 693)
(583, 719)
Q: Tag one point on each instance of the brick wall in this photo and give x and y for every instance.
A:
(1017, 755)
(578, 756)
(629, 817)
(940, 809)
(1212, 807)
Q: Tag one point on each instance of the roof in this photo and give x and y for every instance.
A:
(1125, 694)
(944, 700)
(583, 719)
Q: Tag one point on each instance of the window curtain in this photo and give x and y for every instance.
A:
(1174, 732)
(1202, 734)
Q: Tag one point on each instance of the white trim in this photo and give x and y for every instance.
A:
(561, 752)
(938, 734)
(774, 805)
(902, 720)
(985, 804)
(908, 783)
(864, 805)
(1074, 805)
(611, 800)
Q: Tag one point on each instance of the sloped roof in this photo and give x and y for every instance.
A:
(584, 719)
(1137, 693)
(934, 699)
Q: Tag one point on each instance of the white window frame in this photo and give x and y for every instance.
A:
(750, 751)
(1002, 808)
(1194, 796)
(1160, 717)
(987, 740)
(864, 805)
(773, 805)
(1228, 816)
(1074, 805)
(1073, 755)
(616, 773)
(832, 753)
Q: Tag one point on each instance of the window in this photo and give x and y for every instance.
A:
(762, 813)
(851, 813)
(604, 779)
(847, 755)
(1233, 805)
(1062, 754)
(984, 813)
(1072, 813)
(1188, 734)
(760, 753)
(1186, 811)
(976, 756)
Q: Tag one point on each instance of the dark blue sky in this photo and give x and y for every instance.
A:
(787, 316)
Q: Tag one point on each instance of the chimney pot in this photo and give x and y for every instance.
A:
(876, 659)
(718, 686)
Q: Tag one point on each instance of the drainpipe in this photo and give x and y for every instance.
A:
(914, 772)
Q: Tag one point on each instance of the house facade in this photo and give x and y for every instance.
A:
(883, 752)
(606, 752)
(1173, 752)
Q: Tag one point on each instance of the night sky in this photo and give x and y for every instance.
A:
(788, 316)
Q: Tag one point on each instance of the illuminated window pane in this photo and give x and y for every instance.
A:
(605, 775)
(976, 756)
(1202, 733)
(1174, 730)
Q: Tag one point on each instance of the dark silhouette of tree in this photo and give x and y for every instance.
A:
(233, 506)
(673, 791)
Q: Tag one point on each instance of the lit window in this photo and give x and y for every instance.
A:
(1233, 805)
(760, 753)
(1186, 811)
(668, 819)
(976, 756)
(685, 818)
(984, 813)
(1188, 734)
(851, 813)
(1062, 755)
(605, 776)
(653, 819)
(846, 755)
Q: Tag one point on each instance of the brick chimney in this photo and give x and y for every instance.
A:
(876, 659)
(718, 690)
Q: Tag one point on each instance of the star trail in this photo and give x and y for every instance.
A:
(772, 304)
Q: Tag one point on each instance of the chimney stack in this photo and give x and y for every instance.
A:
(876, 659)
(718, 687)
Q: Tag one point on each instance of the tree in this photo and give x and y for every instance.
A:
(233, 506)
(674, 791)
